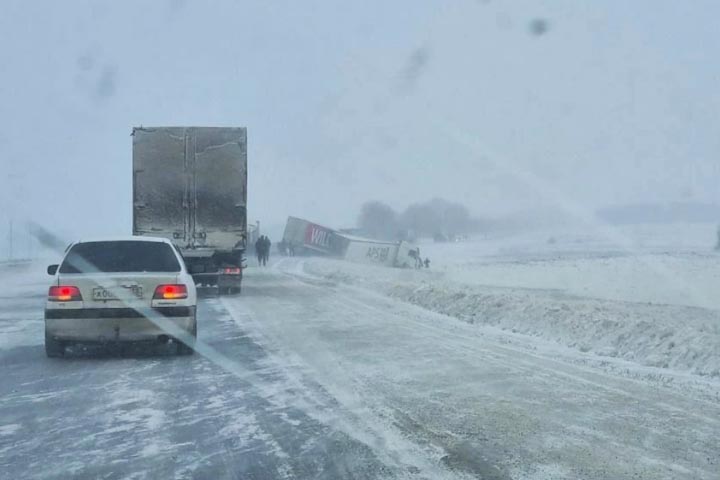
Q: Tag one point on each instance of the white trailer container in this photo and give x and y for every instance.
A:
(390, 254)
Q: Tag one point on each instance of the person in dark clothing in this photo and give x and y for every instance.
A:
(266, 250)
(427, 262)
(259, 245)
(291, 249)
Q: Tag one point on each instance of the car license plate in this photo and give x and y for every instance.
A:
(100, 293)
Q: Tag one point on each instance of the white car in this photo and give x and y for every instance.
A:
(121, 290)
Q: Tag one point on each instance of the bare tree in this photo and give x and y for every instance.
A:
(379, 220)
(420, 219)
(436, 217)
(456, 219)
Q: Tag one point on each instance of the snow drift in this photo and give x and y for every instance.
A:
(681, 337)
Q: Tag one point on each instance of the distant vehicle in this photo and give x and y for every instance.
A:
(121, 290)
(190, 186)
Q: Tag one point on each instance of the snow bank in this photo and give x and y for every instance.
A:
(666, 336)
(620, 315)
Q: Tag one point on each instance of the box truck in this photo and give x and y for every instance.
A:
(190, 186)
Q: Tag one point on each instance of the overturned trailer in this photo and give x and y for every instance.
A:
(391, 254)
(305, 237)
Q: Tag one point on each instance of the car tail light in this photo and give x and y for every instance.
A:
(170, 292)
(64, 293)
(232, 271)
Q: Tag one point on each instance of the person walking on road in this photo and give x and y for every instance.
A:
(266, 250)
(259, 245)
(418, 258)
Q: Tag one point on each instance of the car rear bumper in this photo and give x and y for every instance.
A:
(118, 324)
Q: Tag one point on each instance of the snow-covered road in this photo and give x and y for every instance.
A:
(320, 379)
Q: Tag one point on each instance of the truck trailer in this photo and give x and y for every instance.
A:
(190, 186)
(308, 238)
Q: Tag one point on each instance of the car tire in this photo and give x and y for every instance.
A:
(184, 349)
(53, 348)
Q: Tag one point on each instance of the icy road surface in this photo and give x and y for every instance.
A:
(314, 379)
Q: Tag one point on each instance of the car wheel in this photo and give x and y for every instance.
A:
(184, 349)
(53, 348)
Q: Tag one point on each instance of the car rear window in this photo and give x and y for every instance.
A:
(120, 256)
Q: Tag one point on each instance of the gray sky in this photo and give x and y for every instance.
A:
(616, 102)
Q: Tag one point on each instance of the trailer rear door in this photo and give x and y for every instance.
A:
(220, 179)
(160, 183)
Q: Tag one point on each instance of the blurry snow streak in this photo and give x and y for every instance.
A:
(47, 239)
(53, 242)
(586, 216)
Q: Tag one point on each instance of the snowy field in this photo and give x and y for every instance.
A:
(646, 294)
(667, 264)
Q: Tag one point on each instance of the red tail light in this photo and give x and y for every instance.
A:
(64, 293)
(170, 292)
(232, 271)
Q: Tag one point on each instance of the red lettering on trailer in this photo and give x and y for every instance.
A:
(316, 235)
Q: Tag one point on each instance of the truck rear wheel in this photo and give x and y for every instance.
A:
(229, 290)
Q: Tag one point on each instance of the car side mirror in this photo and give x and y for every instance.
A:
(195, 268)
(52, 269)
